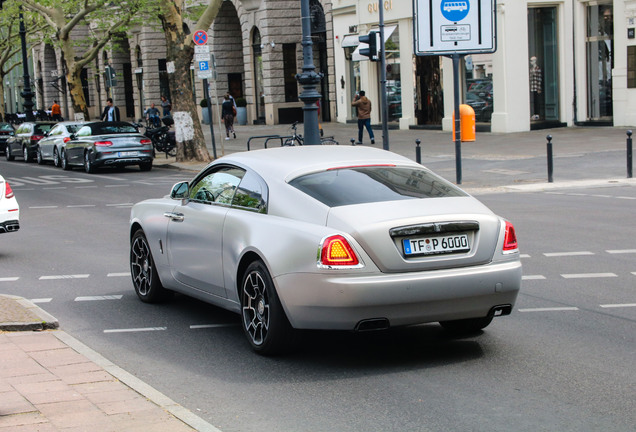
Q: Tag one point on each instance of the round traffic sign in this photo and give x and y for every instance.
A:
(200, 37)
(455, 10)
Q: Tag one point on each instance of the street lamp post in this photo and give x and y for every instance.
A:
(309, 79)
(27, 94)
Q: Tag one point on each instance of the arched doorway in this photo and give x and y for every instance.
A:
(228, 51)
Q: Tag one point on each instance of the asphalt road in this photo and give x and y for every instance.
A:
(564, 360)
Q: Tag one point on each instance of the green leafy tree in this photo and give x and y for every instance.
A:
(103, 18)
(174, 15)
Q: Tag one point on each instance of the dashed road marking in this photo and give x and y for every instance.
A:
(98, 298)
(58, 277)
(133, 330)
(41, 300)
(119, 205)
(532, 277)
(564, 254)
(618, 305)
(123, 274)
(81, 206)
(43, 207)
(621, 251)
(115, 186)
(204, 326)
(550, 309)
(588, 275)
(9, 279)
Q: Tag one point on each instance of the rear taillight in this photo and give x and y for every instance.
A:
(510, 239)
(145, 141)
(103, 143)
(66, 139)
(8, 192)
(36, 138)
(336, 251)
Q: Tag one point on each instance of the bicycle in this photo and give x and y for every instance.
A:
(297, 139)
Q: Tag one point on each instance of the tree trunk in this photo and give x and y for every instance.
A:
(2, 112)
(74, 82)
(189, 134)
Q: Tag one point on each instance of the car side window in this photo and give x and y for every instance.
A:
(55, 131)
(85, 131)
(251, 194)
(217, 186)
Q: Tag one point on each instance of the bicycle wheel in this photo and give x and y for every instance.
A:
(329, 141)
(289, 142)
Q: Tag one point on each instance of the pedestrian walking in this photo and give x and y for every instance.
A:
(111, 112)
(228, 112)
(364, 115)
(166, 106)
(56, 111)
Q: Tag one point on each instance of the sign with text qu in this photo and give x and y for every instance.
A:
(444, 27)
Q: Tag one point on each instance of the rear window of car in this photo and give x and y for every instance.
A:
(41, 129)
(109, 129)
(368, 184)
(72, 128)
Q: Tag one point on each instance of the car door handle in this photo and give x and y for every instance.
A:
(177, 217)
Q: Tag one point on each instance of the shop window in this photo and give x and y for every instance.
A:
(631, 67)
(290, 69)
(164, 80)
(543, 64)
(600, 60)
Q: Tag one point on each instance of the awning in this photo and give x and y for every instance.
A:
(350, 41)
(388, 31)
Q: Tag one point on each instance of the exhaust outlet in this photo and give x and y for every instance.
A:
(500, 310)
(372, 324)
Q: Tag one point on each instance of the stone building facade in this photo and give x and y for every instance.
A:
(256, 47)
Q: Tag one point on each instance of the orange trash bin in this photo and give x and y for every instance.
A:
(466, 123)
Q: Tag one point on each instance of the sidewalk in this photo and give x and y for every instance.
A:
(50, 381)
(494, 162)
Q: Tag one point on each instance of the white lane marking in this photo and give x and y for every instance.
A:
(626, 197)
(97, 298)
(532, 277)
(41, 300)
(602, 196)
(114, 186)
(85, 187)
(552, 309)
(118, 274)
(55, 188)
(204, 326)
(57, 277)
(119, 205)
(133, 330)
(81, 206)
(524, 256)
(588, 275)
(618, 305)
(43, 207)
(9, 279)
(621, 251)
(562, 254)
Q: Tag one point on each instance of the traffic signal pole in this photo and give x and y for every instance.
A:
(385, 108)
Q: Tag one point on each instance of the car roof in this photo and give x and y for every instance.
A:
(287, 163)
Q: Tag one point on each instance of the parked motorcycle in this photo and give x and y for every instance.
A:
(163, 139)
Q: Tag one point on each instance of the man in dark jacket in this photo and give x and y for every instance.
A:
(111, 112)
(364, 116)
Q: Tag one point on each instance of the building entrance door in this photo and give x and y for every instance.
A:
(600, 61)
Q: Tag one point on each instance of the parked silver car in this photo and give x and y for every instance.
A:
(53, 144)
(315, 237)
(114, 144)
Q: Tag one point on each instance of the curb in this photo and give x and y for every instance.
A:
(33, 318)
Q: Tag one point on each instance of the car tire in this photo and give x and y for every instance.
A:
(56, 158)
(147, 166)
(25, 154)
(7, 154)
(38, 156)
(64, 161)
(262, 316)
(144, 274)
(88, 166)
(466, 326)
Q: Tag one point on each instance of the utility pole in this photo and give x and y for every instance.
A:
(26, 93)
(309, 79)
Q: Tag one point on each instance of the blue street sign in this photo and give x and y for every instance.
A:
(455, 10)
(200, 37)
(203, 66)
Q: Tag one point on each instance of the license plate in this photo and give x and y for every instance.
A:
(436, 245)
(128, 153)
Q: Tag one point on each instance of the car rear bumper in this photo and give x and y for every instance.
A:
(9, 226)
(107, 160)
(340, 302)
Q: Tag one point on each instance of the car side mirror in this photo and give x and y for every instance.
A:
(180, 191)
(72, 136)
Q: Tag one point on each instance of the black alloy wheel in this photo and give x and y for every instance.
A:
(144, 274)
(25, 154)
(64, 161)
(7, 153)
(38, 156)
(264, 321)
(56, 158)
(88, 166)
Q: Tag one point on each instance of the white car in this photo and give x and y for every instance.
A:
(9, 209)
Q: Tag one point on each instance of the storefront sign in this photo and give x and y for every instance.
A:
(454, 26)
(373, 6)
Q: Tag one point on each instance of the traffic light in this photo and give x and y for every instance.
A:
(111, 76)
(372, 40)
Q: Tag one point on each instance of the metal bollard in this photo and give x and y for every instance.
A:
(550, 159)
(418, 152)
(629, 154)
(353, 141)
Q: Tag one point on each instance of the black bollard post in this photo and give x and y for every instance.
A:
(550, 164)
(418, 152)
(629, 154)
(353, 141)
